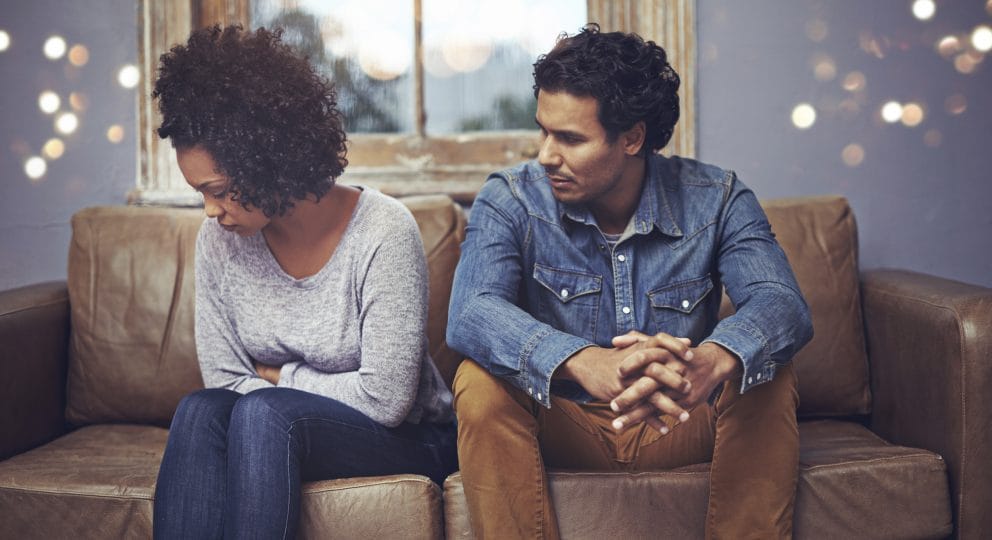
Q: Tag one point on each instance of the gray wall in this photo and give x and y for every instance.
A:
(918, 207)
(34, 215)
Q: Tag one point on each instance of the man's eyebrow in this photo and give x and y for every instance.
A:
(560, 132)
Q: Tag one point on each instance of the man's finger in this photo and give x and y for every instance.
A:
(634, 394)
(628, 339)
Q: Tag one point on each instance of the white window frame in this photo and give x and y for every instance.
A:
(409, 163)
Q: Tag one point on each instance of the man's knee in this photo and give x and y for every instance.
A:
(480, 396)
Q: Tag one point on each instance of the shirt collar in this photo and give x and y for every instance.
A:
(653, 209)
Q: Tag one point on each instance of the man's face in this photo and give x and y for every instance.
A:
(200, 170)
(582, 165)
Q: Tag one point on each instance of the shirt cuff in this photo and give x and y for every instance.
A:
(542, 355)
(748, 345)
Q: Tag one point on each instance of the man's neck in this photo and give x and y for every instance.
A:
(614, 209)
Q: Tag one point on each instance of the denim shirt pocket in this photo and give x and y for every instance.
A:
(674, 307)
(569, 300)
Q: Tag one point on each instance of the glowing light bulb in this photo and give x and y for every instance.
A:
(924, 9)
(128, 76)
(981, 38)
(54, 47)
(4, 40)
(48, 102)
(803, 116)
(35, 167)
(892, 112)
(66, 123)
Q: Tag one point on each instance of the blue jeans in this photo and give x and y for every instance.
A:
(234, 463)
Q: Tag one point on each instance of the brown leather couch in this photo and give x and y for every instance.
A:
(92, 370)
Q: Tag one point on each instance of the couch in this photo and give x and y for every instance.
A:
(896, 441)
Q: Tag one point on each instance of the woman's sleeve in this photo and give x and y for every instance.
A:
(224, 363)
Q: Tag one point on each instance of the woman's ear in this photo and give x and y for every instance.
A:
(633, 138)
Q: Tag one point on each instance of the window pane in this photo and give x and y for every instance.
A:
(364, 46)
(479, 56)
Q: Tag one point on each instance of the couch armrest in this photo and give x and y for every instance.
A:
(930, 349)
(34, 341)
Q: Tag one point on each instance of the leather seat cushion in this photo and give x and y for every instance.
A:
(99, 482)
(852, 484)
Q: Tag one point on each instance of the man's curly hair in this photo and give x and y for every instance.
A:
(630, 79)
(267, 118)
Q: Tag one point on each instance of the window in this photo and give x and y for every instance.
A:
(437, 125)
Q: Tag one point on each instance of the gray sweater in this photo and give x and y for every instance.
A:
(355, 331)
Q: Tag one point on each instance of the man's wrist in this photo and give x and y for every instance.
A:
(727, 364)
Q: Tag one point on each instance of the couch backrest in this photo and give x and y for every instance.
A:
(132, 352)
(819, 236)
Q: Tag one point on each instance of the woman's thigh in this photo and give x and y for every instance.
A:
(333, 440)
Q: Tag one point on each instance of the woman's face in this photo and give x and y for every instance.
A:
(202, 174)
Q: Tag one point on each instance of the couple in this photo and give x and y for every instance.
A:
(586, 298)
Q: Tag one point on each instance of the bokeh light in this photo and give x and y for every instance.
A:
(817, 30)
(853, 155)
(955, 104)
(854, 81)
(924, 9)
(4, 40)
(892, 112)
(965, 63)
(912, 114)
(79, 55)
(128, 76)
(385, 56)
(465, 53)
(988, 7)
(981, 38)
(35, 167)
(933, 138)
(824, 68)
(53, 149)
(78, 101)
(803, 116)
(66, 123)
(948, 46)
(54, 47)
(115, 133)
(49, 102)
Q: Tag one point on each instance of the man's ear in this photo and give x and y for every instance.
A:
(633, 138)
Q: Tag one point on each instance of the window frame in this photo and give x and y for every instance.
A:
(399, 163)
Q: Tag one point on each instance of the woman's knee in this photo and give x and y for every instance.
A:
(204, 405)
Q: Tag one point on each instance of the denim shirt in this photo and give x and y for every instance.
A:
(537, 281)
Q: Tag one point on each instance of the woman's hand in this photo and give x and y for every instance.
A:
(267, 372)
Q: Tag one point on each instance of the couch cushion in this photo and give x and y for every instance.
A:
(99, 482)
(852, 484)
(820, 238)
(132, 350)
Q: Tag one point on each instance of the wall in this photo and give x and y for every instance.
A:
(34, 214)
(921, 207)
(923, 202)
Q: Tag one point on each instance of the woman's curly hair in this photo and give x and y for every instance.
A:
(267, 118)
(630, 79)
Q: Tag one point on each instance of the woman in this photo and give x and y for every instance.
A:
(311, 300)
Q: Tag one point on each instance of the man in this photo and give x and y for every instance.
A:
(587, 298)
